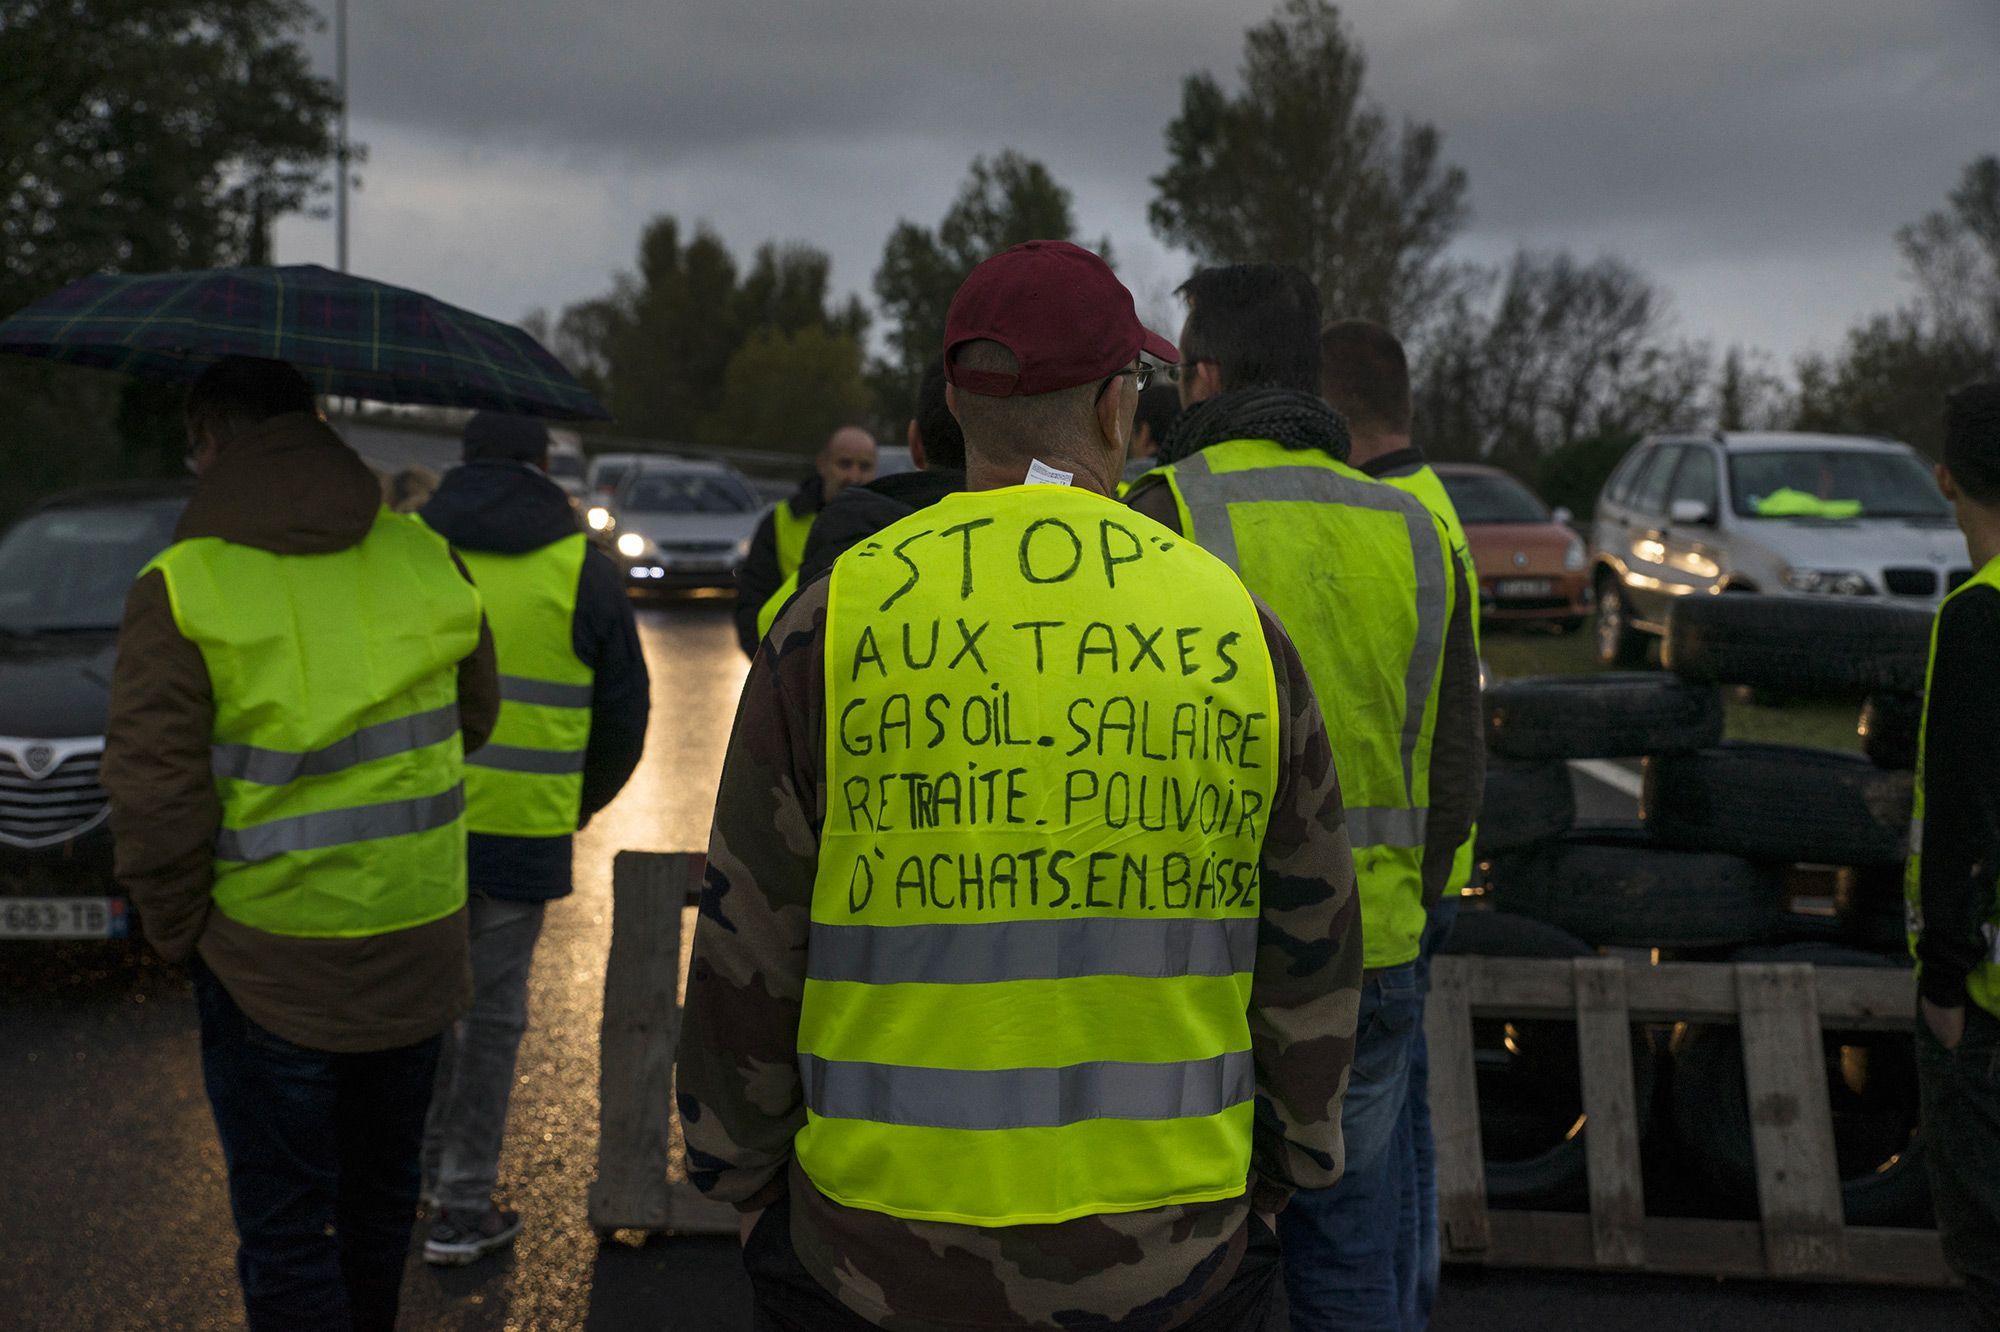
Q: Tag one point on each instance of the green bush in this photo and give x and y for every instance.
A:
(1569, 477)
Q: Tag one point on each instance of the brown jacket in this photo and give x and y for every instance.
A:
(290, 486)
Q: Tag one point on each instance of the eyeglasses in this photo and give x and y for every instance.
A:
(1142, 375)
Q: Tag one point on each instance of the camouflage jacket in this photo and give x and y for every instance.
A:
(741, 1098)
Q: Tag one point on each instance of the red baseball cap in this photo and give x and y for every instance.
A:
(1061, 311)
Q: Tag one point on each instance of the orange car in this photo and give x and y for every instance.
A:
(1532, 567)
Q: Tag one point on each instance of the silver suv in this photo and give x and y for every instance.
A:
(1785, 514)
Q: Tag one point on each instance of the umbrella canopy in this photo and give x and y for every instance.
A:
(349, 335)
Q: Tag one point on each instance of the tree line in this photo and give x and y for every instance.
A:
(170, 133)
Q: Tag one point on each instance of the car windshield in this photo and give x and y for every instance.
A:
(70, 568)
(1481, 497)
(1832, 483)
(687, 492)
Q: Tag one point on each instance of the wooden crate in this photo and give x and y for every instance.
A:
(1780, 1008)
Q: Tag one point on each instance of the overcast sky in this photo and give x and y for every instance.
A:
(1754, 156)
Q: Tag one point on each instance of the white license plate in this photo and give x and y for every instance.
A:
(699, 566)
(64, 917)
(1523, 587)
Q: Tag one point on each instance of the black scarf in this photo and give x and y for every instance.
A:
(1290, 417)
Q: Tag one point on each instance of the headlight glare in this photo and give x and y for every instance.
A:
(631, 545)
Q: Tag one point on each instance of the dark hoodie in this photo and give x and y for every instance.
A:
(289, 486)
(859, 512)
(511, 508)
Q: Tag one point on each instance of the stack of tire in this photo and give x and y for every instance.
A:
(1706, 874)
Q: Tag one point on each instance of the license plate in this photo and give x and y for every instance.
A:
(64, 918)
(699, 566)
(1523, 587)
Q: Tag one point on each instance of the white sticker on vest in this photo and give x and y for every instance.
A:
(1041, 474)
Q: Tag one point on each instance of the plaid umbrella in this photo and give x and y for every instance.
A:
(350, 336)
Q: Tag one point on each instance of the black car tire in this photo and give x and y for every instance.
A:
(1619, 645)
(1883, 1180)
(1841, 646)
(1891, 725)
(1611, 885)
(1530, 1081)
(1778, 803)
(1525, 805)
(1615, 715)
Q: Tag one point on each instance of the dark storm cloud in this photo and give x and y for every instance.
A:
(1758, 153)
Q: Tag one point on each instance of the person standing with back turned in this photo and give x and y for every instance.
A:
(298, 678)
(573, 710)
(1024, 986)
(1366, 378)
(1363, 577)
(1952, 888)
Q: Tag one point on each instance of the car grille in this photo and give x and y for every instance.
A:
(1911, 582)
(696, 547)
(1958, 578)
(64, 803)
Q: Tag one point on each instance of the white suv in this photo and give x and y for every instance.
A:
(1784, 514)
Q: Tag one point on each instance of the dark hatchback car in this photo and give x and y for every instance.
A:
(65, 567)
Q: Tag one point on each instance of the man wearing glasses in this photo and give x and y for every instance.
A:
(1025, 982)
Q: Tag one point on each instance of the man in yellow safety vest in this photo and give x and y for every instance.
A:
(1026, 975)
(1363, 576)
(1366, 378)
(573, 690)
(846, 459)
(299, 676)
(1952, 888)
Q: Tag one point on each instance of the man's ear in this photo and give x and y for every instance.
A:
(1946, 484)
(1115, 416)
(916, 440)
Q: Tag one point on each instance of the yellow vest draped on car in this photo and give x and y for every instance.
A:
(1424, 484)
(336, 743)
(1372, 641)
(1052, 747)
(1982, 986)
(527, 781)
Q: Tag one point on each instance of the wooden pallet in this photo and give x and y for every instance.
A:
(1780, 1008)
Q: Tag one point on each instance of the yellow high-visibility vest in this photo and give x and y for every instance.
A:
(1052, 748)
(336, 741)
(1424, 484)
(1359, 573)
(1982, 984)
(527, 780)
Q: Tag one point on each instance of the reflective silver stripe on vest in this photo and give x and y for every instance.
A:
(1014, 950)
(1208, 500)
(513, 758)
(543, 693)
(1381, 826)
(1011, 1098)
(279, 767)
(339, 827)
(1916, 837)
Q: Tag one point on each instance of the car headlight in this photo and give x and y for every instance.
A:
(1574, 557)
(598, 517)
(631, 545)
(1831, 582)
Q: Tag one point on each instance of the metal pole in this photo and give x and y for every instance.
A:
(340, 151)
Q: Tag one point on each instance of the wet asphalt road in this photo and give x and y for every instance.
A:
(112, 1206)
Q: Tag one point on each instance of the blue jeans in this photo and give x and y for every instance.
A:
(322, 1150)
(1420, 1287)
(1346, 1248)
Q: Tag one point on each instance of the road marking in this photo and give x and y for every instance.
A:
(1619, 779)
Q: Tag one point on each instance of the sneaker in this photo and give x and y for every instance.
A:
(457, 1238)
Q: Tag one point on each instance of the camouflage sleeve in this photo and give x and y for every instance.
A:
(1306, 993)
(740, 1099)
